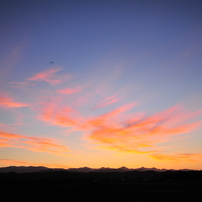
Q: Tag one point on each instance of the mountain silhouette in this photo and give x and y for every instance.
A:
(30, 169)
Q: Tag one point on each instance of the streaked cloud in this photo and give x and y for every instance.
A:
(50, 76)
(105, 102)
(178, 157)
(46, 75)
(62, 116)
(125, 131)
(36, 144)
(68, 90)
(10, 162)
(141, 134)
(7, 101)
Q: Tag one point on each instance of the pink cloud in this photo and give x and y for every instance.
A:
(50, 76)
(64, 116)
(45, 75)
(68, 91)
(81, 100)
(36, 144)
(7, 101)
(106, 102)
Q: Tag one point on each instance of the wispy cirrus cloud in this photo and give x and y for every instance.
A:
(8, 102)
(68, 90)
(120, 129)
(141, 134)
(36, 144)
(124, 132)
(178, 157)
(62, 116)
(47, 75)
(10, 162)
(50, 76)
(105, 102)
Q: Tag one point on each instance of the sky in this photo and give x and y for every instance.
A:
(101, 83)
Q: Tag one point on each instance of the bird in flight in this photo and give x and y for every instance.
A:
(51, 62)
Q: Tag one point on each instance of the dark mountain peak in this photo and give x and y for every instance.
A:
(23, 169)
(82, 169)
(123, 169)
(104, 169)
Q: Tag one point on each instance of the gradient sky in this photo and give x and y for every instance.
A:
(124, 89)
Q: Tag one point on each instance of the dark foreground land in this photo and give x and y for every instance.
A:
(95, 186)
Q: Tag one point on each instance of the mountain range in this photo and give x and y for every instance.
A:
(30, 169)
